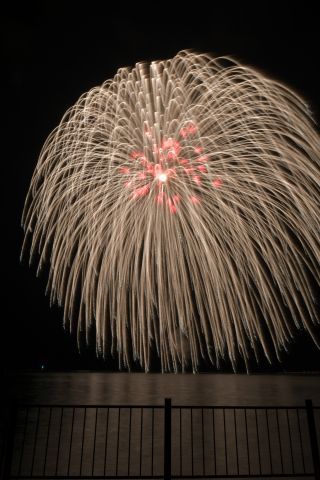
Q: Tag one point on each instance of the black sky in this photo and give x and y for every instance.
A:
(53, 53)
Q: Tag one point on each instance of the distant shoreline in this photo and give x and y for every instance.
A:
(262, 374)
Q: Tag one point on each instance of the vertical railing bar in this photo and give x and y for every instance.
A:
(118, 437)
(279, 437)
(94, 441)
(3, 453)
(269, 444)
(106, 444)
(167, 439)
(59, 439)
(290, 440)
(129, 445)
(180, 437)
(214, 441)
(35, 441)
(247, 441)
(313, 439)
(141, 426)
(23, 439)
(71, 435)
(203, 462)
(236, 436)
(225, 441)
(47, 442)
(258, 440)
(191, 421)
(83, 433)
(152, 440)
(10, 441)
(300, 439)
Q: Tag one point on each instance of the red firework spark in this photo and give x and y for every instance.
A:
(164, 165)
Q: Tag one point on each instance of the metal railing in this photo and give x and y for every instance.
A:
(168, 441)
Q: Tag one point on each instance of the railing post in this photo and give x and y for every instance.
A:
(313, 439)
(9, 441)
(167, 439)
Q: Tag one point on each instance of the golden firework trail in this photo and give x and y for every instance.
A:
(177, 206)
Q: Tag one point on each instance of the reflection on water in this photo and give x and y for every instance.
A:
(184, 389)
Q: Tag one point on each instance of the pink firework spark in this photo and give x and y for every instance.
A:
(168, 162)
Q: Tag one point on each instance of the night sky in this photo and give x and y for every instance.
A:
(53, 54)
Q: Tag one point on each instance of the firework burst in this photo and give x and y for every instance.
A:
(177, 206)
